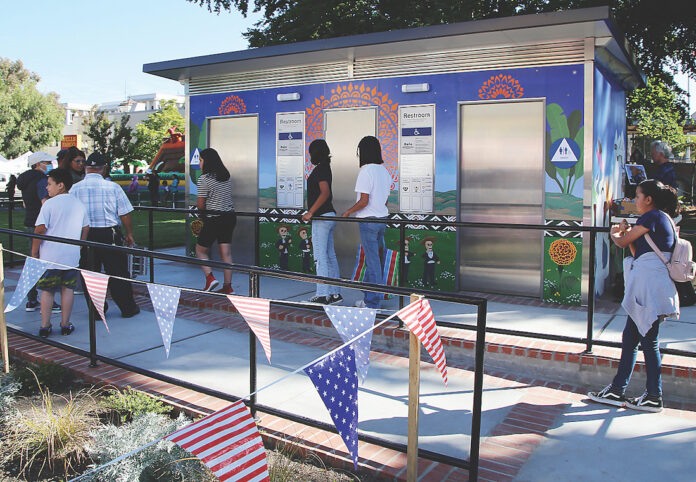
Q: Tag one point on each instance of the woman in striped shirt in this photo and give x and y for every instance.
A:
(215, 194)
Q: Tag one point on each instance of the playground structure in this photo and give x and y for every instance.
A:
(170, 157)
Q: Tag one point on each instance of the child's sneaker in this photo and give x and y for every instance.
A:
(44, 331)
(333, 299)
(55, 308)
(645, 403)
(322, 300)
(226, 290)
(608, 397)
(211, 283)
(360, 304)
(31, 305)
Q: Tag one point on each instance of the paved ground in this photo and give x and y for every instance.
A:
(533, 430)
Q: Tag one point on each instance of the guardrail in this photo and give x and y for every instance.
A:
(255, 273)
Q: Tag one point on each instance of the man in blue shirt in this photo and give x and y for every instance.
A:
(661, 154)
(107, 205)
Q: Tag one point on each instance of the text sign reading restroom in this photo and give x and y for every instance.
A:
(416, 158)
(290, 149)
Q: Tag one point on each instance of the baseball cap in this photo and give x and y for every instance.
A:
(96, 159)
(40, 156)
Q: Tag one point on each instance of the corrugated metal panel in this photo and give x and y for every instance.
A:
(429, 63)
(471, 60)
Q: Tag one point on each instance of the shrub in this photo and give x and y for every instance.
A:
(53, 433)
(53, 377)
(130, 403)
(162, 461)
(8, 389)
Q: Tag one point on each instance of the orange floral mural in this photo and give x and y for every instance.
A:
(232, 105)
(504, 86)
(358, 95)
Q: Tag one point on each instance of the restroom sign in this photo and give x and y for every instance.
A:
(565, 153)
(416, 158)
(290, 149)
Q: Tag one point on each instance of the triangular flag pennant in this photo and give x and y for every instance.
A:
(419, 318)
(336, 380)
(31, 273)
(350, 322)
(256, 312)
(228, 443)
(165, 301)
(96, 284)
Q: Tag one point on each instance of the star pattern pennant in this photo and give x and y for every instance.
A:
(349, 323)
(165, 301)
(336, 380)
(31, 273)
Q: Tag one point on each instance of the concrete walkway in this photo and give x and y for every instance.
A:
(533, 429)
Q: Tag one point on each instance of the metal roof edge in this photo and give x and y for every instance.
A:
(418, 33)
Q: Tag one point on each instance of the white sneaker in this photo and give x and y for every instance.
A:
(360, 304)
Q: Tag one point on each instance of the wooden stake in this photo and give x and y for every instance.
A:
(3, 323)
(414, 350)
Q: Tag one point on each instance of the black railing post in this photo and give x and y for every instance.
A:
(402, 265)
(10, 210)
(591, 294)
(151, 242)
(478, 391)
(253, 293)
(92, 314)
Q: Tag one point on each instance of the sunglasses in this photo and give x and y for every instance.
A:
(80, 161)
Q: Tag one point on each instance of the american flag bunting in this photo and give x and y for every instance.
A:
(31, 273)
(256, 312)
(228, 443)
(336, 380)
(419, 318)
(350, 322)
(165, 301)
(96, 284)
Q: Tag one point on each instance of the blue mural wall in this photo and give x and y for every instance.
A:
(608, 161)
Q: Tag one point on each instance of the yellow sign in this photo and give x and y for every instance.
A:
(71, 140)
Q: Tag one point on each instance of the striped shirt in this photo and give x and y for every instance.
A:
(218, 195)
(105, 200)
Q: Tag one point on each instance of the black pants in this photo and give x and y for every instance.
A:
(114, 263)
(429, 274)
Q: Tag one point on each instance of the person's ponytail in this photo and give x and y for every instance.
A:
(664, 197)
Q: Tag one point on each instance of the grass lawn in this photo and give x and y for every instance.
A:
(169, 229)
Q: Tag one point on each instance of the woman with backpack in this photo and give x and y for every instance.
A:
(650, 295)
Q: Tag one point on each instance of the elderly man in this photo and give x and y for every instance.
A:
(106, 203)
(661, 154)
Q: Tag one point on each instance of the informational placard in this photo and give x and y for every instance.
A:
(290, 148)
(416, 158)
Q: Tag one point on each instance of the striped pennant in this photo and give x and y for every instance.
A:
(256, 312)
(390, 273)
(96, 284)
(228, 443)
(419, 318)
(359, 270)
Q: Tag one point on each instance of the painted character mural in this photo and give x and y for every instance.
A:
(306, 249)
(408, 255)
(283, 246)
(430, 259)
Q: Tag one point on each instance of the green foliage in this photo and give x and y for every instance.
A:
(53, 433)
(48, 375)
(161, 461)
(130, 403)
(29, 120)
(658, 114)
(113, 139)
(9, 387)
(150, 133)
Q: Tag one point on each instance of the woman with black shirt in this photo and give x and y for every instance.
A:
(319, 200)
(215, 194)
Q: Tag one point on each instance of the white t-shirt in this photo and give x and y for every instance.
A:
(373, 179)
(64, 216)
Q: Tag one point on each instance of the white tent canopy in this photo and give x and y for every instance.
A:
(15, 166)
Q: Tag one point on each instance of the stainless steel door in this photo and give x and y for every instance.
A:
(236, 140)
(343, 129)
(502, 173)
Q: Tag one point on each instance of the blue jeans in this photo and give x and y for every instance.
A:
(372, 238)
(324, 253)
(651, 351)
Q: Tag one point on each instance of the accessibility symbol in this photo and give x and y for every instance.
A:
(565, 153)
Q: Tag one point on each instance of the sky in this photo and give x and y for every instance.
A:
(93, 51)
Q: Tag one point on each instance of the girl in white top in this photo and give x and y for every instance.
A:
(372, 191)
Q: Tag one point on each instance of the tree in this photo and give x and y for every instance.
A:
(150, 133)
(658, 114)
(662, 32)
(29, 120)
(112, 139)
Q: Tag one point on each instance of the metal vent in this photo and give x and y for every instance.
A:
(266, 79)
(470, 60)
(556, 53)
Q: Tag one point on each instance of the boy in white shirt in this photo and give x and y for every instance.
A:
(65, 217)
